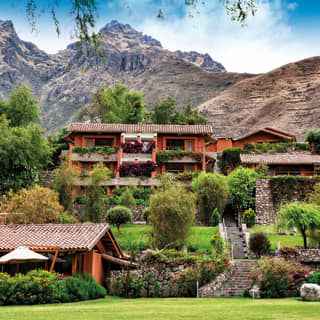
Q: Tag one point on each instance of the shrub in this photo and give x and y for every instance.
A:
(171, 214)
(313, 138)
(242, 186)
(314, 278)
(230, 159)
(215, 217)
(276, 277)
(119, 215)
(249, 218)
(145, 215)
(262, 169)
(259, 244)
(127, 200)
(41, 286)
(217, 242)
(212, 193)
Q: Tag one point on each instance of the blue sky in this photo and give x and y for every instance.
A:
(282, 31)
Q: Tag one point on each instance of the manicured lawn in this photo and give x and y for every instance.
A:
(199, 239)
(168, 309)
(138, 235)
(285, 240)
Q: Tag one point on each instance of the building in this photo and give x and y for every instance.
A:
(268, 135)
(279, 164)
(134, 150)
(89, 248)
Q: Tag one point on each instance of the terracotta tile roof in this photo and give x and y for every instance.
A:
(272, 131)
(281, 158)
(140, 128)
(64, 236)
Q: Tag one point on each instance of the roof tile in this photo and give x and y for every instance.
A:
(281, 158)
(140, 128)
(64, 236)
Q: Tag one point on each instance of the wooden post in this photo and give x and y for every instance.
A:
(54, 261)
(74, 264)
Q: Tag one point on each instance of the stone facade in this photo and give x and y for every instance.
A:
(265, 212)
(157, 278)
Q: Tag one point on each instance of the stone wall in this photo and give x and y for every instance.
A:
(157, 279)
(265, 212)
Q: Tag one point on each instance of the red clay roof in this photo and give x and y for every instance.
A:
(269, 130)
(143, 128)
(281, 158)
(64, 236)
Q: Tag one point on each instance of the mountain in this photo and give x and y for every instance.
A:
(64, 82)
(203, 61)
(287, 98)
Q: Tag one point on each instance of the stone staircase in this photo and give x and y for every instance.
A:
(231, 284)
(238, 243)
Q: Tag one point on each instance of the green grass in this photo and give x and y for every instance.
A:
(285, 240)
(168, 309)
(199, 238)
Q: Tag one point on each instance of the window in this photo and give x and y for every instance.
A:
(175, 144)
(104, 142)
(189, 167)
(190, 145)
(89, 142)
(174, 167)
(288, 171)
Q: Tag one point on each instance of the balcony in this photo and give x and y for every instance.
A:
(134, 157)
(178, 156)
(95, 154)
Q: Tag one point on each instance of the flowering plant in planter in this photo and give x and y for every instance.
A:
(138, 147)
(288, 252)
(140, 169)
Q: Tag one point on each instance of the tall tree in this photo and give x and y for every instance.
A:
(212, 193)
(21, 108)
(115, 105)
(24, 151)
(166, 112)
(96, 201)
(171, 214)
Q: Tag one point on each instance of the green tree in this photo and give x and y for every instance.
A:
(313, 138)
(57, 144)
(96, 199)
(64, 182)
(303, 216)
(22, 108)
(315, 195)
(24, 152)
(115, 105)
(164, 112)
(212, 193)
(119, 215)
(127, 199)
(242, 186)
(171, 214)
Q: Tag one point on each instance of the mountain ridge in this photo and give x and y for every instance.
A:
(64, 82)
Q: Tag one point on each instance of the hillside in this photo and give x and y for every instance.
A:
(287, 98)
(64, 82)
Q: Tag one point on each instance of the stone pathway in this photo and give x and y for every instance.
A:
(232, 284)
(238, 243)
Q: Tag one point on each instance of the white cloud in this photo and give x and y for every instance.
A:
(267, 41)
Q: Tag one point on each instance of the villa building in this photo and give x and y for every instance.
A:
(268, 135)
(131, 151)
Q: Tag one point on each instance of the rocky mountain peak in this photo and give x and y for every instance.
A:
(116, 29)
